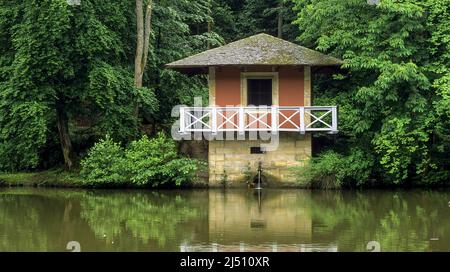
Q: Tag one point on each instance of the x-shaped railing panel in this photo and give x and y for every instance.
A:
(229, 118)
(257, 120)
(318, 118)
(288, 119)
(195, 119)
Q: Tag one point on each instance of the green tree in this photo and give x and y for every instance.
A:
(234, 19)
(274, 17)
(180, 29)
(61, 63)
(394, 96)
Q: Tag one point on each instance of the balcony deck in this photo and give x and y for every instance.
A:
(244, 119)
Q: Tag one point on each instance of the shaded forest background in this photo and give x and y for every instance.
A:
(70, 74)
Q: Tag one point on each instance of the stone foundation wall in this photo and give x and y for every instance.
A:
(231, 163)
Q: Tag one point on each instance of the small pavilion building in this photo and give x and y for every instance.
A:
(259, 118)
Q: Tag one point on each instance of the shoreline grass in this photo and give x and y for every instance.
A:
(49, 178)
(60, 178)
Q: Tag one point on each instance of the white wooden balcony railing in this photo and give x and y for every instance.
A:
(243, 119)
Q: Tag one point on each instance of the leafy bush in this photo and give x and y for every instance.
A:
(146, 162)
(104, 164)
(331, 170)
(155, 161)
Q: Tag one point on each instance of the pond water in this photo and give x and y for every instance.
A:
(217, 220)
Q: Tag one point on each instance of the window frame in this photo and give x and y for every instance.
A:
(259, 75)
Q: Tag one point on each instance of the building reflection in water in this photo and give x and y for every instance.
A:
(259, 220)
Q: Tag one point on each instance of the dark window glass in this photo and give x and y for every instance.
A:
(259, 92)
(257, 150)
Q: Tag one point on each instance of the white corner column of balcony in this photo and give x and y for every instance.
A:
(274, 119)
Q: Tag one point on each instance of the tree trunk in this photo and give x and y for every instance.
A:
(147, 30)
(208, 45)
(143, 28)
(139, 44)
(64, 137)
(280, 20)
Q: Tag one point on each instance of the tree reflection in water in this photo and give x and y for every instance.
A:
(151, 216)
(398, 220)
(288, 220)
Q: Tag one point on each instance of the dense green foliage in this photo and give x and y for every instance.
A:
(75, 60)
(394, 93)
(64, 66)
(236, 19)
(332, 170)
(145, 162)
(79, 60)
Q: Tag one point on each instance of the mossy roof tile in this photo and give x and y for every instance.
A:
(260, 49)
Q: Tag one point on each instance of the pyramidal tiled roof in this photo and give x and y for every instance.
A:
(260, 49)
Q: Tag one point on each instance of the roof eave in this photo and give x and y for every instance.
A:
(203, 69)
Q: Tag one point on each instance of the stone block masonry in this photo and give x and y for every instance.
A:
(231, 162)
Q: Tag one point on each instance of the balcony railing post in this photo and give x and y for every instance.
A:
(241, 120)
(214, 120)
(302, 119)
(274, 119)
(334, 119)
(182, 120)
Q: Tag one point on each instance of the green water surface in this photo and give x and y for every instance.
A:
(217, 220)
